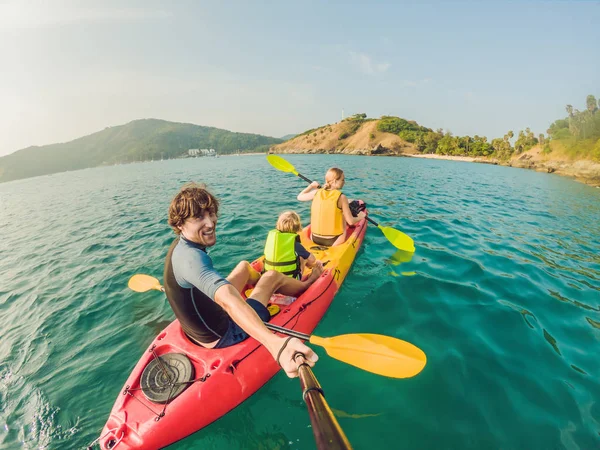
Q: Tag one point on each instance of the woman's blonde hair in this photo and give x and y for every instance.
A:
(289, 222)
(334, 174)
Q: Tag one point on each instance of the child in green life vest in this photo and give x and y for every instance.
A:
(283, 250)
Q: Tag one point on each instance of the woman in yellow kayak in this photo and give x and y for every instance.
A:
(330, 211)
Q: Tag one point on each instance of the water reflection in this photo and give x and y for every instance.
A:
(522, 311)
(400, 257)
(551, 341)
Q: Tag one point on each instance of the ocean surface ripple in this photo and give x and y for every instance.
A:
(502, 294)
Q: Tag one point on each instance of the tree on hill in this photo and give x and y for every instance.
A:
(140, 140)
(591, 103)
(579, 132)
(525, 141)
(448, 145)
(569, 109)
(395, 125)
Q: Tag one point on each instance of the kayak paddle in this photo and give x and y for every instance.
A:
(327, 430)
(397, 238)
(375, 353)
(281, 164)
(143, 283)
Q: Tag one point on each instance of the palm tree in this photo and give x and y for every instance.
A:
(569, 109)
(591, 103)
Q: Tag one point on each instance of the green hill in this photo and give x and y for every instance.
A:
(287, 137)
(140, 140)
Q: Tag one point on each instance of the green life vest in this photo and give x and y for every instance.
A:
(280, 254)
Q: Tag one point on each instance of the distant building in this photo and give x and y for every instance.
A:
(202, 152)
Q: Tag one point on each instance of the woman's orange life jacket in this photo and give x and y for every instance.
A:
(326, 218)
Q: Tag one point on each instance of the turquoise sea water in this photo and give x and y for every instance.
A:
(502, 294)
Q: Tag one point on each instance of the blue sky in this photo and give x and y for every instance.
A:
(70, 68)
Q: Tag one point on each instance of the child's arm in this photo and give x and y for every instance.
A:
(311, 261)
(308, 257)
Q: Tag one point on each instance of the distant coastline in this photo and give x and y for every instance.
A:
(571, 148)
(434, 156)
(583, 171)
(137, 141)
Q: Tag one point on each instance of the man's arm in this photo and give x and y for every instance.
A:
(242, 314)
(195, 268)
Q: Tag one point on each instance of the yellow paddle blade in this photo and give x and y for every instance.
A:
(143, 283)
(383, 355)
(398, 239)
(281, 164)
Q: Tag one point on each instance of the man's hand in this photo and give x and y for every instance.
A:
(293, 346)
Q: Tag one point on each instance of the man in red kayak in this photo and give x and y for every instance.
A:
(209, 307)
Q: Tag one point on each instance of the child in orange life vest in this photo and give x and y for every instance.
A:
(284, 252)
(330, 211)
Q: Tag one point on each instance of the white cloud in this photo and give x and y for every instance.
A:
(366, 64)
(21, 15)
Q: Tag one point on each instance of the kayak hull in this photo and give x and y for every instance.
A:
(224, 377)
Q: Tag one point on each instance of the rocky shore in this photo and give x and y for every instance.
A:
(368, 141)
(584, 171)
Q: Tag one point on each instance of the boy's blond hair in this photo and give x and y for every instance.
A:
(289, 222)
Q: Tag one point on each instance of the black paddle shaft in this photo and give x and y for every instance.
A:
(288, 332)
(372, 221)
(305, 179)
(327, 430)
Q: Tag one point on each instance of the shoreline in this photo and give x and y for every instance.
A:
(435, 156)
(582, 171)
(243, 154)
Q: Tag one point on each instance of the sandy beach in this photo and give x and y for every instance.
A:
(434, 156)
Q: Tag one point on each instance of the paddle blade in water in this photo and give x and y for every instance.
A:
(401, 257)
(281, 164)
(143, 283)
(398, 239)
(383, 355)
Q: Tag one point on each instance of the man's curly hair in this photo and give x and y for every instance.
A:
(191, 201)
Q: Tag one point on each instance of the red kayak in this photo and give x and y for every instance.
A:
(178, 387)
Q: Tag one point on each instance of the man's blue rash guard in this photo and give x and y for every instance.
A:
(190, 284)
(193, 268)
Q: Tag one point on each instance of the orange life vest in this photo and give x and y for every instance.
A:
(326, 218)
